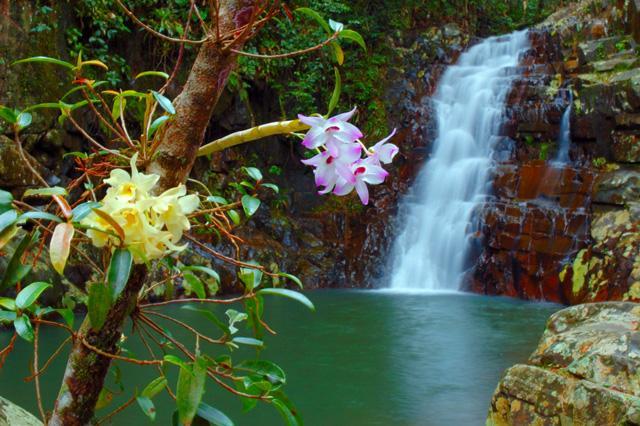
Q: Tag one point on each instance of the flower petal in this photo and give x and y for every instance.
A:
(312, 121)
(363, 191)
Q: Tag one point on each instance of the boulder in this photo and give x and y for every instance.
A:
(14, 174)
(584, 371)
(13, 415)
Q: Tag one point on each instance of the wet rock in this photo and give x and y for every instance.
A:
(618, 186)
(13, 415)
(584, 371)
(609, 268)
(625, 147)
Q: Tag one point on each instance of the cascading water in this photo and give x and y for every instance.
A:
(430, 252)
(564, 139)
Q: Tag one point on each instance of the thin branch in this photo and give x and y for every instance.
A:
(154, 32)
(117, 410)
(185, 326)
(36, 372)
(118, 357)
(194, 300)
(48, 362)
(289, 54)
(92, 140)
(153, 355)
(229, 259)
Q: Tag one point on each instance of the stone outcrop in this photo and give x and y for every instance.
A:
(584, 371)
(13, 415)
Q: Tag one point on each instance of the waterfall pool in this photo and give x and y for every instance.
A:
(364, 358)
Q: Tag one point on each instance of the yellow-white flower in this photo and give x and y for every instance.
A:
(152, 225)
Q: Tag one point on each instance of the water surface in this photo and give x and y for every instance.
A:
(364, 358)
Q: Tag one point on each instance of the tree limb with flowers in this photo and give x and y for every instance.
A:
(130, 211)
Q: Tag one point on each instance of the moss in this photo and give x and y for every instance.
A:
(580, 271)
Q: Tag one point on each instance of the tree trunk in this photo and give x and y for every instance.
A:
(86, 370)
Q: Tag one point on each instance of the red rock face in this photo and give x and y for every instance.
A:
(540, 214)
(539, 218)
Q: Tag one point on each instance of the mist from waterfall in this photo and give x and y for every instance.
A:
(430, 251)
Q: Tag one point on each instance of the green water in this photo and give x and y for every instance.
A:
(364, 358)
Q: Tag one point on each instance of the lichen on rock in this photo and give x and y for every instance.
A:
(584, 371)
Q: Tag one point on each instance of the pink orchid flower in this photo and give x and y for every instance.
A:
(384, 152)
(331, 132)
(329, 167)
(363, 172)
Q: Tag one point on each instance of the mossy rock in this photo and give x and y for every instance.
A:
(584, 371)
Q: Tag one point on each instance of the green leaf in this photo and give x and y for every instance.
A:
(45, 59)
(7, 219)
(292, 278)
(249, 341)
(60, 245)
(354, 36)
(234, 216)
(316, 16)
(24, 328)
(157, 123)
(153, 74)
(7, 317)
(251, 277)
(6, 198)
(213, 415)
(67, 315)
(24, 120)
(271, 186)
(37, 215)
(211, 317)
(286, 412)
(198, 268)
(156, 386)
(16, 271)
(250, 205)
(164, 102)
(335, 96)
(190, 389)
(283, 292)
(234, 317)
(337, 52)
(30, 294)
(9, 115)
(336, 26)
(195, 285)
(54, 190)
(119, 104)
(99, 304)
(83, 210)
(217, 199)
(253, 173)
(266, 370)
(7, 303)
(172, 359)
(147, 407)
(119, 271)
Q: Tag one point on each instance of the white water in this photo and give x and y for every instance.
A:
(564, 139)
(430, 252)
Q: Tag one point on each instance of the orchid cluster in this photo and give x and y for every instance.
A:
(339, 164)
(152, 225)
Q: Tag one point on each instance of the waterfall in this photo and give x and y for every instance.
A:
(564, 138)
(431, 249)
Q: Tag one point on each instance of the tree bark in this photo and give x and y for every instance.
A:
(86, 370)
